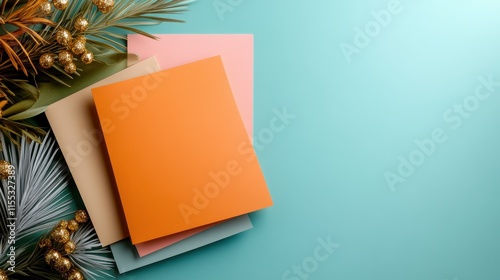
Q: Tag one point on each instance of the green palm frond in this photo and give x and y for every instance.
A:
(40, 183)
(41, 198)
(21, 75)
(90, 257)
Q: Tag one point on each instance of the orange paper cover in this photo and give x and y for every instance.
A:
(179, 150)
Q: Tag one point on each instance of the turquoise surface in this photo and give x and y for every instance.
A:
(414, 78)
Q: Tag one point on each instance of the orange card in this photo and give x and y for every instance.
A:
(179, 150)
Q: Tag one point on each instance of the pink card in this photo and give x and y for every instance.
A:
(173, 50)
(152, 246)
(236, 51)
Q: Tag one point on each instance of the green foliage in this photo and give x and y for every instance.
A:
(28, 87)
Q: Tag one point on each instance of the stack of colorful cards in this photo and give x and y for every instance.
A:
(177, 162)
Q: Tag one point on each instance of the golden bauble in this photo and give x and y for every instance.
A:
(81, 216)
(4, 168)
(78, 47)
(73, 225)
(81, 24)
(81, 38)
(63, 37)
(46, 8)
(105, 6)
(45, 243)
(46, 60)
(74, 274)
(65, 57)
(69, 247)
(63, 265)
(87, 57)
(3, 275)
(70, 68)
(60, 4)
(62, 224)
(97, 2)
(60, 235)
(52, 256)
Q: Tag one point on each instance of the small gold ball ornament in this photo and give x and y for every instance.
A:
(63, 265)
(3, 275)
(65, 57)
(62, 224)
(87, 57)
(52, 256)
(73, 225)
(74, 274)
(97, 2)
(60, 4)
(78, 47)
(81, 38)
(63, 37)
(81, 24)
(46, 8)
(60, 235)
(70, 68)
(4, 169)
(81, 216)
(69, 247)
(46, 60)
(45, 243)
(105, 6)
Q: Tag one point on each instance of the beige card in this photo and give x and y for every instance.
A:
(76, 127)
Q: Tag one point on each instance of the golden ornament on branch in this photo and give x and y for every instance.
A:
(81, 24)
(78, 47)
(4, 169)
(70, 68)
(62, 224)
(63, 37)
(45, 243)
(81, 216)
(72, 226)
(60, 4)
(65, 57)
(46, 8)
(69, 247)
(73, 274)
(46, 60)
(105, 6)
(60, 235)
(63, 265)
(52, 256)
(81, 38)
(87, 57)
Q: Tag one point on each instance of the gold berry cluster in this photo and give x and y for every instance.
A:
(60, 238)
(5, 171)
(75, 46)
(104, 6)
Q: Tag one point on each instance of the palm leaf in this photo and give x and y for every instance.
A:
(41, 180)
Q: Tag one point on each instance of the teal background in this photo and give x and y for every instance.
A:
(353, 120)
